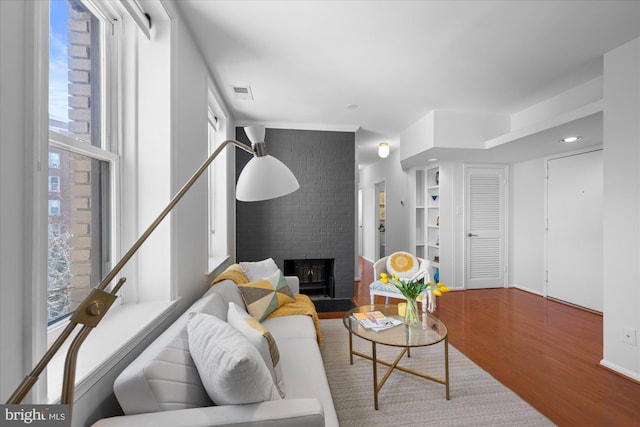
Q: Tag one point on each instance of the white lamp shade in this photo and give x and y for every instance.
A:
(255, 133)
(265, 178)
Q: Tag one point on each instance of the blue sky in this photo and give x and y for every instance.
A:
(58, 71)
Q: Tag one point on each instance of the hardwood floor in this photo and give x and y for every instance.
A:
(545, 351)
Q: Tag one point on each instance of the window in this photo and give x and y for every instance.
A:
(80, 152)
(212, 130)
(54, 207)
(54, 184)
(54, 161)
(218, 184)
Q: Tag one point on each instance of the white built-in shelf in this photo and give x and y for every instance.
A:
(433, 215)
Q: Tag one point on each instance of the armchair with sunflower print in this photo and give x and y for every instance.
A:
(404, 266)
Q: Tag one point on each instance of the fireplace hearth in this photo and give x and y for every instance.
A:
(316, 276)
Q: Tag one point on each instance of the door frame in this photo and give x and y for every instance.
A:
(376, 205)
(547, 159)
(507, 212)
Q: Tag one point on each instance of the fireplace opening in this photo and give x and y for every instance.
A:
(316, 276)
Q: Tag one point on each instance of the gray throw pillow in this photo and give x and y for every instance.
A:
(262, 340)
(230, 367)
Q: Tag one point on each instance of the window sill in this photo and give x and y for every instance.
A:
(215, 263)
(124, 327)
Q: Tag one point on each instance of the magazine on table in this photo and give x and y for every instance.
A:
(375, 320)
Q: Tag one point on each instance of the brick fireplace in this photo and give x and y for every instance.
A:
(315, 275)
(317, 222)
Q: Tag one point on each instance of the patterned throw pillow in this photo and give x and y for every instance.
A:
(402, 264)
(263, 297)
(261, 338)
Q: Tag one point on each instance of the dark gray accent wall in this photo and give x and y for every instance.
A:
(318, 220)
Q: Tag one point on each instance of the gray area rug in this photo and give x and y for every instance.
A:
(477, 399)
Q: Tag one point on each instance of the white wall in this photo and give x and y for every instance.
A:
(189, 150)
(621, 266)
(559, 104)
(154, 162)
(397, 214)
(418, 137)
(527, 225)
(454, 129)
(15, 326)
(452, 228)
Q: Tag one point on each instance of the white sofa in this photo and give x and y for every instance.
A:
(162, 386)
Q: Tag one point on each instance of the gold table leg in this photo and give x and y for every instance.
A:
(375, 375)
(393, 366)
(446, 364)
(350, 348)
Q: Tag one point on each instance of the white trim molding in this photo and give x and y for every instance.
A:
(620, 370)
(302, 126)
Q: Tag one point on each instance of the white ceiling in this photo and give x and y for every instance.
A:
(306, 61)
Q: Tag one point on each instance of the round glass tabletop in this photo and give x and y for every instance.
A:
(431, 330)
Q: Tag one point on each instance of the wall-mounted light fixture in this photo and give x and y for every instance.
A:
(383, 149)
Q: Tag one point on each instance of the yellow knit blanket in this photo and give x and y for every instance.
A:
(234, 273)
(302, 304)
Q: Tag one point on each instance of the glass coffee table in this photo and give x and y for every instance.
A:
(430, 331)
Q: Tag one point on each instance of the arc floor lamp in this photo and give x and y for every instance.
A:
(264, 177)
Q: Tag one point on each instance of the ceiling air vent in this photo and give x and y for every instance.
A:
(242, 92)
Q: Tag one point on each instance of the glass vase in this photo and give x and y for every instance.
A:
(411, 315)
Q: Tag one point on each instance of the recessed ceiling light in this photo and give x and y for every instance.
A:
(432, 160)
(570, 139)
(352, 106)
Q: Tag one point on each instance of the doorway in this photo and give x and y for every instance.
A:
(574, 229)
(380, 212)
(360, 226)
(485, 226)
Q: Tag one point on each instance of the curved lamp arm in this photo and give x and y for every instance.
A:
(93, 308)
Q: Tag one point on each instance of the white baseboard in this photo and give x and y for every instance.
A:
(524, 288)
(622, 371)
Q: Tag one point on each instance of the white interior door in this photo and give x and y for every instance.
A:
(574, 229)
(485, 225)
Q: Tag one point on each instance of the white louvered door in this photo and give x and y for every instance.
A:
(485, 227)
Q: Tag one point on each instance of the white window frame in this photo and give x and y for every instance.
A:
(110, 64)
(218, 191)
(54, 184)
(54, 207)
(54, 161)
(213, 141)
(110, 71)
